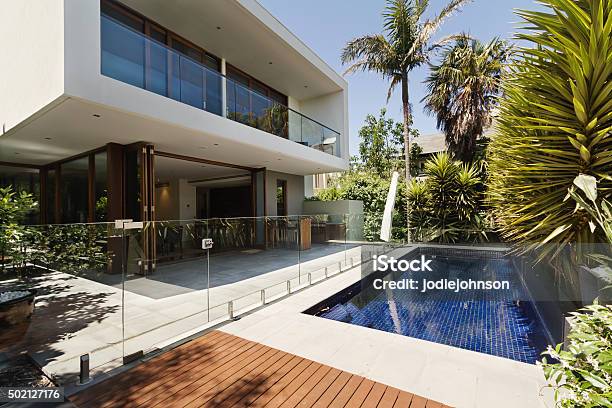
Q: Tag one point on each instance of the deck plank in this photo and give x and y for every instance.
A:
(346, 392)
(222, 370)
(166, 362)
(311, 398)
(175, 385)
(374, 396)
(404, 399)
(389, 397)
(247, 395)
(418, 402)
(334, 389)
(360, 394)
(292, 387)
(284, 382)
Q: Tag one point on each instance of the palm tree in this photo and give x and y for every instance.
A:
(405, 44)
(463, 91)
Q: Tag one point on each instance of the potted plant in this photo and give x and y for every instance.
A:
(16, 306)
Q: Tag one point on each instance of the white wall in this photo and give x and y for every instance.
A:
(166, 202)
(177, 201)
(295, 192)
(187, 200)
(32, 63)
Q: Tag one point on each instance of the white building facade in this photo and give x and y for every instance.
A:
(156, 110)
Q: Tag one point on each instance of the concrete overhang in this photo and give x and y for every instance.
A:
(70, 126)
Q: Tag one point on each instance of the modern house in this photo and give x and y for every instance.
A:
(160, 110)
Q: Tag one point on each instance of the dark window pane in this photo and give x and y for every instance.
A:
(158, 34)
(74, 191)
(212, 62)
(187, 50)
(133, 202)
(50, 198)
(122, 16)
(101, 187)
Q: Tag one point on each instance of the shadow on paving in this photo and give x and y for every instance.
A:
(60, 311)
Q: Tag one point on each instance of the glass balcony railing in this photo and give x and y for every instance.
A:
(138, 60)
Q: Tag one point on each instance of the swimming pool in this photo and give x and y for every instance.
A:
(497, 323)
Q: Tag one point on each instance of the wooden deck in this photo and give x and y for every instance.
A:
(221, 370)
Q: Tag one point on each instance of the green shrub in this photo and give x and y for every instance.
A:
(447, 206)
(583, 375)
(14, 208)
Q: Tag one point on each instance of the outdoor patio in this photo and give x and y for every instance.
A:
(75, 315)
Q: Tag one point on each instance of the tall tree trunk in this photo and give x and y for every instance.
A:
(407, 120)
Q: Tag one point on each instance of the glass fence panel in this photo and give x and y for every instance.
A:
(331, 142)
(133, 58)
(295, 126)
(165, 284)
(65, 273)
(123, 55)
(312, 134)
(111, 292)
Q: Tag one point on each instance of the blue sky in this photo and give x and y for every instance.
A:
(326, 26)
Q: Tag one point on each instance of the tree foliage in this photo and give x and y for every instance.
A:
(448, 205)
(555, 122)
(406, 43)
(381, 147)
(463, 90)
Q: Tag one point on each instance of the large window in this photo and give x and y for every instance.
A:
(74, 189)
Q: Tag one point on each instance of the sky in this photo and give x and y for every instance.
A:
(326, 25)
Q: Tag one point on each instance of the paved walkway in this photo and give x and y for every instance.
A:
(221, 370)
(75, 315)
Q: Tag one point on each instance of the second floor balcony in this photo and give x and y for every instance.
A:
(131, 57)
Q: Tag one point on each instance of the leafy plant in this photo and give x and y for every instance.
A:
(555, 122)
(463, 91)
(380, 144)
(405, 44)
(582, 377)
(447, 206)
(14, 207)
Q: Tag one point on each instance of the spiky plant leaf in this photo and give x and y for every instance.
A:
(555, 123)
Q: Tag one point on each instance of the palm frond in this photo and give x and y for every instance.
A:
(369, 53)
(430, 27)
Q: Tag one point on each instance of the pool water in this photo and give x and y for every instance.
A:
(496, 323)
